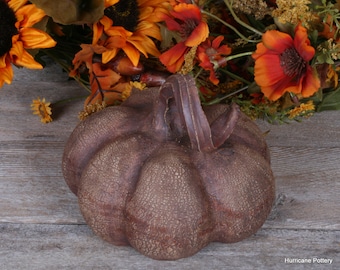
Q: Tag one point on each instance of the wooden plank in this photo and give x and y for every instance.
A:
(320, 130)
(75, 247)
(308, 186)
(32, 189)
(51, 72)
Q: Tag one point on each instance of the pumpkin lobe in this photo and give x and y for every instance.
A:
(108, 181)
(168, 216)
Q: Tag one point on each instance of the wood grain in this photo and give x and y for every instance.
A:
(41, 226)
(75, 247)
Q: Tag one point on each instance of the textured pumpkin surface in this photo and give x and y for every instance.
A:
(162, 175)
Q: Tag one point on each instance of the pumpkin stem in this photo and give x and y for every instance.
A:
(180, 111)
(224, 125)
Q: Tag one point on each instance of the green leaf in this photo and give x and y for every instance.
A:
(331, 101)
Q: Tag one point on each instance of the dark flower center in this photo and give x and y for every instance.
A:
(292, 63)
(125, 13)
(187, 27)
(7, 27)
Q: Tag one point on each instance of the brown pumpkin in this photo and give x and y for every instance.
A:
(160, 174)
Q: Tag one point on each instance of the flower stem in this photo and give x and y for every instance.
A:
(229, 5)
(236, 77)
(66, 100)
(231, 57)
(229, 26)
(218, 100)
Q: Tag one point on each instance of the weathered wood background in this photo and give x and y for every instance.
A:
(41, 226)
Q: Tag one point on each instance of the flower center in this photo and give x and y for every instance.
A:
(187, 27)
(292, 63)
(125, 13)
(7, 27)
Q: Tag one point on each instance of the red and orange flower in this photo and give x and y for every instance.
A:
(282, 64)
(17, 34)
(210, 54)
(188, 22)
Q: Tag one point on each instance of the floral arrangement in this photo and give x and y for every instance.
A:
(277, 60)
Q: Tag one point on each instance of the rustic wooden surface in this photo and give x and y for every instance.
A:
(41, 226)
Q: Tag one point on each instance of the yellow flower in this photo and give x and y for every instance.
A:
(43, 109)
(293, 11)
(17, 34)
(129, 25)
(304, 109)
(91, 109)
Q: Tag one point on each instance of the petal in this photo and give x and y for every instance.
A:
(294, 88)
(138, 43)
(311, 83)
(145, 45)
(16, 4)
(176, 66)
(213, 77)
(171, 24)
(277, 41)
(268, 71)
(16, 50)
(217, 41)
(106, 22)
(185, 11)
(115, 42)
(132, 53)
(30, 15)
(224, 50)
(302, 44)
(98, 30)
(6, 74)
(205, 61)
(148, 29)
(3, 62)
(173, 55)
(34, 38)
(118, 31)
(273, 93)
(260, 51)
(27, 60)
(109, 3)
(200, 33)
(109, 55)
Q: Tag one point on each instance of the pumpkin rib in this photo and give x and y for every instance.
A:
(91, 134)
(115, 186)
(174, 213)
(232, 209)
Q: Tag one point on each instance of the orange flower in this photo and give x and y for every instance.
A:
(17, 35)
(210, 56)
(282, 64)
(128, 25)
(186, 19)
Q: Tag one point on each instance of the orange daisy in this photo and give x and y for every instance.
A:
(282, 64)
(128, 25)
(17, 34)
(187, 21)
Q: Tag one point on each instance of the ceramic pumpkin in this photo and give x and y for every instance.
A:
(163, 175)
